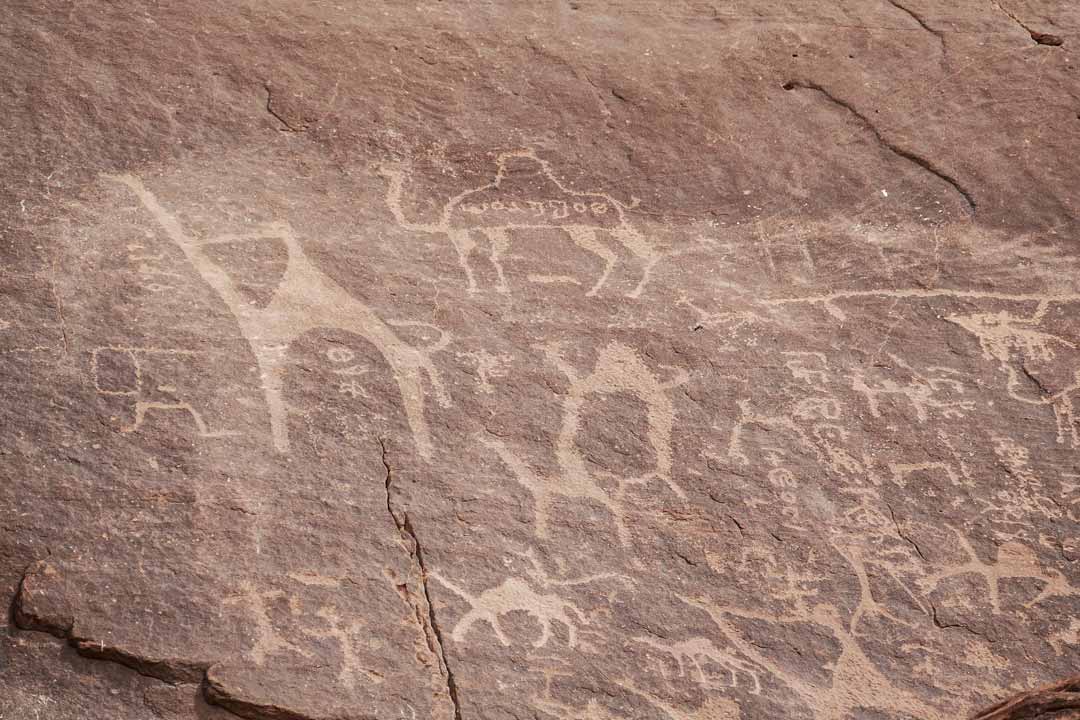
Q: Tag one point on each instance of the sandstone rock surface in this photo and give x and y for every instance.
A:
(568, 360)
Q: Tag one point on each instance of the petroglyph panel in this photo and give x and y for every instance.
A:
(675, 459)
(435, 364)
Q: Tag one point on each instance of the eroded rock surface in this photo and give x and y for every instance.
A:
(675, 360)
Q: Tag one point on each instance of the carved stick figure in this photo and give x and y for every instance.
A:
(133, 358)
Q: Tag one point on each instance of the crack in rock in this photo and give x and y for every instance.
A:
(219, 692)
(1039, 385)
(429, 624)
(904, 536)
(922, 22)
(32, 610)
(1047, 701)
(28, 616)
(575, 71)
(59, 309)
(1039, 37)
(942, 625)
(927, 165)
(289, 127)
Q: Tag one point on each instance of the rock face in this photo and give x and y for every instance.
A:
(577, 360)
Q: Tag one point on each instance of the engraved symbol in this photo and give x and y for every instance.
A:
(352, 388)
(810, 367)
(488, 366)
(340, 355)
(124, 378)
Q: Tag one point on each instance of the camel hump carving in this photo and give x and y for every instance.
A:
(525, 195)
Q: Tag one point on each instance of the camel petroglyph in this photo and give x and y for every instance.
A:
(694, 655)
(525, 195)
(518, 594)
(304, 300)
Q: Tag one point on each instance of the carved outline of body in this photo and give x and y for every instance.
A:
(583, 235)
(515, 593)
(304, 300)
(617, 368)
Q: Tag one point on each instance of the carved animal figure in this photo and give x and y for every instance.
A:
(304, 299)
(517, 594)
(525, 195)
(618, 369)
(693, 655)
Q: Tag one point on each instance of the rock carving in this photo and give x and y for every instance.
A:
(526, 195)
(305, 299)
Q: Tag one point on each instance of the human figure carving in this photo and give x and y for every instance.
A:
(267, 640)
(305, 299)
(526, 195)
(346, 633)
(135, 356)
